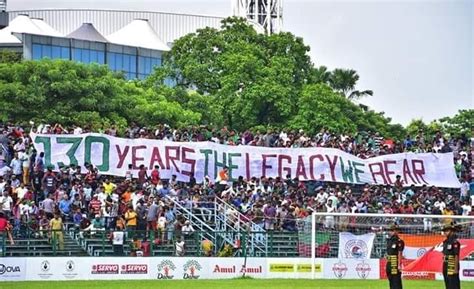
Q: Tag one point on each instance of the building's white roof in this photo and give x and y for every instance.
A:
(46, 28)
(138, 33)
(24, 24)
(88, 32)
(7, 38)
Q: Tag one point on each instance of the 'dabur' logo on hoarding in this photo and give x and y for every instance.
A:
(191, 268)
(339, 269)
(363, 270)
(165, 269)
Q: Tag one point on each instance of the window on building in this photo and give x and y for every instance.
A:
(88, 55)
(49, 51)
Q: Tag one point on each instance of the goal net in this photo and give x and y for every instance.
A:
(341, 235)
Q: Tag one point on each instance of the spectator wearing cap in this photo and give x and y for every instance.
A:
(96, 225)
(187, 229)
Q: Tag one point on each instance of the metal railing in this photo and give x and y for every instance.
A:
(229, 219)
(99, 242)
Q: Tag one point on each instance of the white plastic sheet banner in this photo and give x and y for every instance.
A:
(12, 269)
(351, 269)
(355, 246)
(112, 156)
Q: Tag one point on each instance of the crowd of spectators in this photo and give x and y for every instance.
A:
(31, 193)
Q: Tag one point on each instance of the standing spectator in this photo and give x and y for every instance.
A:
(270, 215)
(65, 207)
(118, 238)
(49, 182)
(5, 227)
(179, 245)
(170, 223)
(131, 219)
(155, 176)
(152, 215)
(464, 194)
(142, 176)
(17, 167)
(56, 228)
(39, 162)
(6, 203)
(222, 179)
(95, 205)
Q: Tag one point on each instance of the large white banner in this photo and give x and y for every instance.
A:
(188, 268)
(355, 246)
(113, 155)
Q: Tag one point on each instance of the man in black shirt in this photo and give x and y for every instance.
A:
(451, 248)
(395, 247)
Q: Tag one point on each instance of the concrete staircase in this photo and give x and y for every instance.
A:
(42, 247)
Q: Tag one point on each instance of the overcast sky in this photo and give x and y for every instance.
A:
(417, 56)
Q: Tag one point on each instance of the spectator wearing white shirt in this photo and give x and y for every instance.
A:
(464, 189)
(330, 208)
(19, 146)
(187, 229)
(441, 205)
(4, 170)
(25, 160)
(6, 203)
(21, 191)
(322, 196)
(466, 208)
(17, 167)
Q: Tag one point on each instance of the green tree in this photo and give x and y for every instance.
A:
(459, 125)
(415, 127)
(252, 78)
(320, 74)
(344, 81)
(7, 56)
(321, 107)
(87, 95)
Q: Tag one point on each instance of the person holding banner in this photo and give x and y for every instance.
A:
(451, 248)
(395, 247)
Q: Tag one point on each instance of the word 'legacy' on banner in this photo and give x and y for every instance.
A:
(112, 156)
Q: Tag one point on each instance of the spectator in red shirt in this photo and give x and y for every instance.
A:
(142, 176)
(94, 205)
(6, 227)
(155, 176)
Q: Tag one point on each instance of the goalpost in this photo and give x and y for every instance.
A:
(319, 233)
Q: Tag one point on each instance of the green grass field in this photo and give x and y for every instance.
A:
(227, 284)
